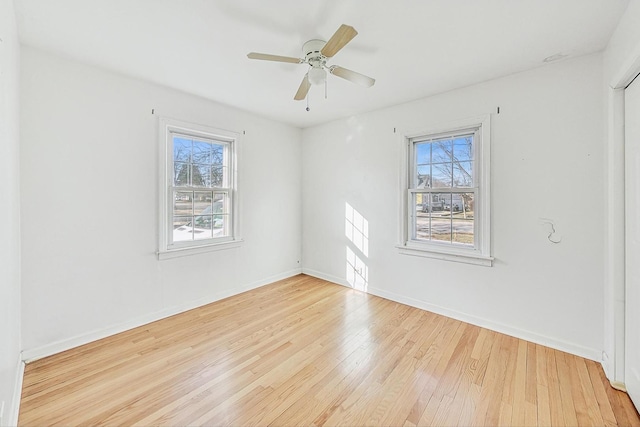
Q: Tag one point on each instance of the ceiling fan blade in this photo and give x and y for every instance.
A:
(277, 58)
(352, 76)
(303, 89)
(338, 40)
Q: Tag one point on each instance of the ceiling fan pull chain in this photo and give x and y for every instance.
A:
(307, 102)
(325, 88)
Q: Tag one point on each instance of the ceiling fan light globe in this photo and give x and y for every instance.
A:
(317, 76)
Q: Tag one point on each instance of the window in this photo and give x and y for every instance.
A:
(198, 195)
(446, 183)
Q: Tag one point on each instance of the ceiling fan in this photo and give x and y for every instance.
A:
(315, 53)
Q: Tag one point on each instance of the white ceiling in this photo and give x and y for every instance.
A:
(412, 48)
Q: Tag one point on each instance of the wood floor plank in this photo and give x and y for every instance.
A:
(579, 401)
(506, 415)
(604, 406)
(404, 404)
(509, 352)
(542, 387)
(566, 389)
(436, 384)
(518, 403)
(302, 351)
(433, 354)
(587, 391)
(487, 411)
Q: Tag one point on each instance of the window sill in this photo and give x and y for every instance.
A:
(176, 253)
(447, 255)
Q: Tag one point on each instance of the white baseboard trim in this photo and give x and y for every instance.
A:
(568, 347)
(14, 410)
(31, 355)
(327, 277)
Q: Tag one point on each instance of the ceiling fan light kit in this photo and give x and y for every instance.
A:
(317, 75)
(315, 53)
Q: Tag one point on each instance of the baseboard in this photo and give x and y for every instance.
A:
(14, 410)
(568, 347)
(31, 355)
(327, 277)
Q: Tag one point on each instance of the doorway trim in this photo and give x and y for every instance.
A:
(615, 286)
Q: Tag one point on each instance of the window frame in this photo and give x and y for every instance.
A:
(167, 129)
(480, 253)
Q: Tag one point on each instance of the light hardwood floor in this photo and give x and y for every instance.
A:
(306, 352)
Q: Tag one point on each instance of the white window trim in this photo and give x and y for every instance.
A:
(479, 255)
(165, 126)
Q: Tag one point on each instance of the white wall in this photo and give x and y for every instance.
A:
(9, 209)
(89, 200)
(547, 154)
(621, 61)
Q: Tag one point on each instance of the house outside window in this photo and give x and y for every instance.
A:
(199, 191)
(445, 183)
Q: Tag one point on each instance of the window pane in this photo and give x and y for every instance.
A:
(423, 178)
(463, 219)
(467, 204)
(202, 202)
(463, 149)
(217, 154)
(462, 231)
(182, 230)
(182, 205)
(442, 175)
(200, 175)
(445, 199)
(201, 152)
(220, 203)
(423, 153)
(422, 216)
(423, 226)
(441, 151)
(181, 174)
(181, 149)
(463, 174)
(221, 225)
(202, 227)
(221, 219)
(441, 226)
(217, 176)
(422, 203)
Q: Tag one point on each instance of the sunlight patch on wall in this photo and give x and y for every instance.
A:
(357, 271)
(356, 229)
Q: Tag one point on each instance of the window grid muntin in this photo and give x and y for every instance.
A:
(413, 232)
(226, 189)
(415, 165)
(415, 189)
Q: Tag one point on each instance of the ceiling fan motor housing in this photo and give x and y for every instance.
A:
(312, 55)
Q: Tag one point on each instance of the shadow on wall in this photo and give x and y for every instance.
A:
(356, 228)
